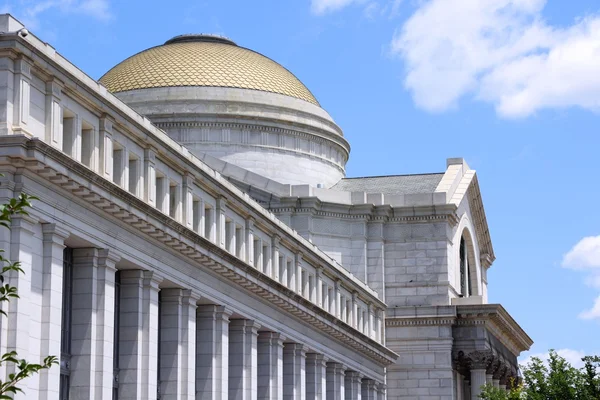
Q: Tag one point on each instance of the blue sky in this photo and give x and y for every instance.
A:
(510, 85)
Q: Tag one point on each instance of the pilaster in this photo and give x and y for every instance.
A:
(270, 366)
(243, 367)
(53, 117)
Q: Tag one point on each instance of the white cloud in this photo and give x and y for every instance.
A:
(371, 10)
(31, 11)
(585, 255)
(321, 7)
(501, 52)
(592, 313)
(572, 356)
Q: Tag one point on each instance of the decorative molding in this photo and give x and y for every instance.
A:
(186, 242)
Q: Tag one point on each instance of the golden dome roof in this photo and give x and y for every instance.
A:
(204, 60)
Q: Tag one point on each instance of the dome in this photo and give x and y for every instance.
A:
(204, 60)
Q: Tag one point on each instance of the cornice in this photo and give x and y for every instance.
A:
(184, 241)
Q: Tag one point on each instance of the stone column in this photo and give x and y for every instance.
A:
(106, 148)
(335, 381)
(319, 284)
(105, 318)
(467, 389)
(368, 389)
(243, 371)
(294, 371)
(188, 345)
(220, 219)
(171, 326)
(316, 376)
(299, 287)
(92, 324)
(212, 352)
(53, 245)
(460, 393)
(380, 391)
(53, 117)
(477, 381)
(270, 366)
(488, 379)
(187, 202)
(22, 95)
(250, 242)
(353, 385)
(354, 311)
(338, 299)
(138, 335)
(149, 184)
(275, 258)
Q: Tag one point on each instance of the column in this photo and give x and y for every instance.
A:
(171, 321)
(187, 202)
(106, 148)
(212, 352)
(188, 345)
(370, 320)
(466, 389)
(335, 381)
(149, 183)
(105, 318)
(294, 371)
(298, 262)
(53, 117)
(92, 324)
(138, 335)
(316, 376)
(250, 242)
(368, 391)
(460, 394)
(477, 381)
(319, 283)
(220, 219)
(243, 371)
(53, 245)
(380, 391)
(338, 299)
(22, 95)
(353, 385)
(275, 258)
(270, 366)
(355, 310)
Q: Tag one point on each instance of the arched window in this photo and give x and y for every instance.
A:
(465, 279)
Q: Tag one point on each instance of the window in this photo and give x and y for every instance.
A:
(229, 238)
(173, 200)
(209, 223)
(87, 144)
(239, 241)
(65, 334)
(257, 254)
(118, 163)
(343, 310)
(68, 132)
(348, 311)
(331, 297)
(134, 174)
(196, 216)
(265, 258)
(290, 274)
(311, 288)
(465, 279)
(160, 192)
(282, 271)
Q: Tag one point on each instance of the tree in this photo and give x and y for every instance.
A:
(555, 379)
(23, 369)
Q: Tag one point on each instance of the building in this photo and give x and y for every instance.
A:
(195, 238)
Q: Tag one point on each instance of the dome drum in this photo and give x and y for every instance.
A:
(236, 105)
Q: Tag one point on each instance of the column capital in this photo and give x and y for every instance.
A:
(245, 325)
(190, 297)
(317, 358)
(108, 258)
(54, 233)
(354, 376)
(271, 337)
(275, 239)
(369, 383)
(54, 87)
(152, 279)
(171, 294)
(480, 359)
(206, 310)
(106, 123)
(296, 348)
(337, 367)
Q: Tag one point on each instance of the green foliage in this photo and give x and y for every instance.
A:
(23, 369)
(554, 380)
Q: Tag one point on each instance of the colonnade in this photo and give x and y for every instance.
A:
(133, 335)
